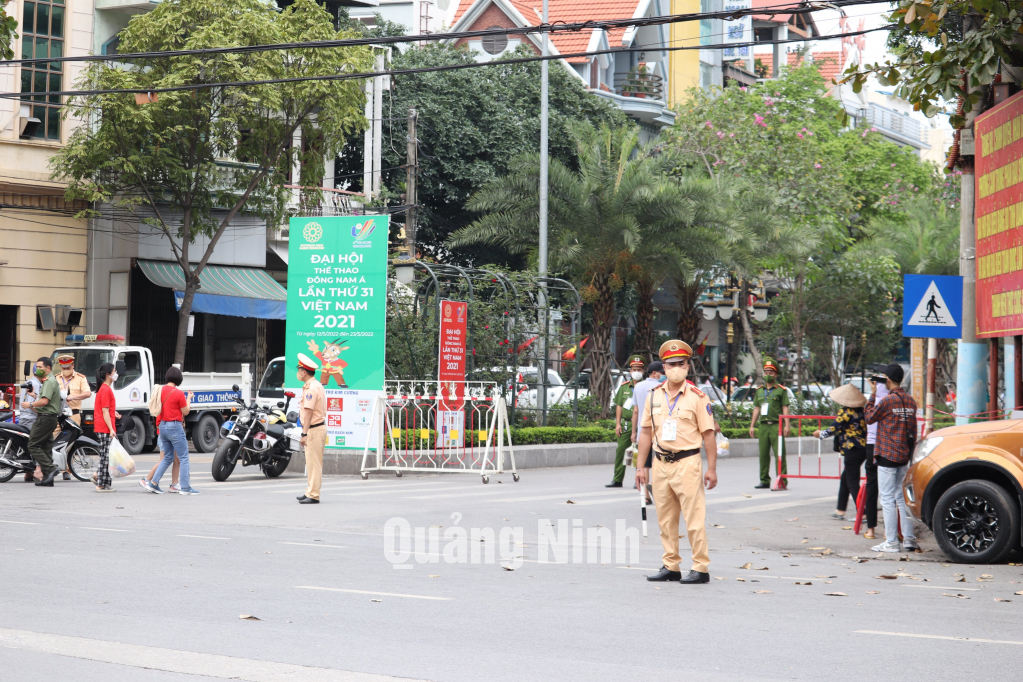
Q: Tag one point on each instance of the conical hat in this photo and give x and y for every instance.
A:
(848, 396)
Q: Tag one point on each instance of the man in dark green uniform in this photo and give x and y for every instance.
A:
(47, 407)
(771, 402)
(623, 418)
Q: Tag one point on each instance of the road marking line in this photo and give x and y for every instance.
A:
(376, 594)
(112, 530)
(204, 537)
(488, 491)
(743, 498)
(780, 505)
(20, 523)
(313, 544)
(944, 637)
(177, 661)
(570, 496)
(939, 587)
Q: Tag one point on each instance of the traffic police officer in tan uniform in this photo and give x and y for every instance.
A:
(677, 420)
(75, 388)
(313, 415)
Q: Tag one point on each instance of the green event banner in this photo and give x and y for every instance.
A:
(337, 295)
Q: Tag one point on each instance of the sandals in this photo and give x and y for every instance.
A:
(869, 535)
(835, 515)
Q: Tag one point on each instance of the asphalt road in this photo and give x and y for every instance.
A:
(139, 587)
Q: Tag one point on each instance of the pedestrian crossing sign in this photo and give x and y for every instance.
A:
(932, 307)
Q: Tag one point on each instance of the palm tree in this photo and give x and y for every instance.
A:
(598, 218)
(924, 242)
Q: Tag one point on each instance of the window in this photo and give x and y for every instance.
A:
(495, 44)
(272, 385)
(42, 35)
(132, 369)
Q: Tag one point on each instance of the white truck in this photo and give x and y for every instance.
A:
(213, 400)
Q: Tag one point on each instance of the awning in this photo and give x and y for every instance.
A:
(240, 292)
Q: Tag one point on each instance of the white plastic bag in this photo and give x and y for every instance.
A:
(722, 443)
(121, 463)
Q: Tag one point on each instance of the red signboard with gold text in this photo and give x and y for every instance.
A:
(451, 363)
(999, 217)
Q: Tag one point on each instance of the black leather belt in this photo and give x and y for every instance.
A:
(669, 457)
(314, 426)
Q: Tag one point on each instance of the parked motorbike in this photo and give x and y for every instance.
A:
(80, 452)
(252, 439)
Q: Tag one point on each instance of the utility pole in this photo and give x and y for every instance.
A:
(404, 262)
(544, 323)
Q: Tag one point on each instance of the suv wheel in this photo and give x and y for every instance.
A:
(976, 522)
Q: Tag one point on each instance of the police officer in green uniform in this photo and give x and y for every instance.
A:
(771, 401)
(623, 418)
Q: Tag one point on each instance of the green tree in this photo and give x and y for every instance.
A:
(598, 216)
(8, 32)
(472, 123)
(923, 241)
(190, 161)
(947, 51)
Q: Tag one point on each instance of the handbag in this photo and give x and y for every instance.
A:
(155, 404)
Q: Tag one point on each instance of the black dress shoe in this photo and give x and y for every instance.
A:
(67, 476)
(664, 575)
(614, 484)
(48, 479)
(695, 577)
(308, 500)
(762, 486)
(300, 498)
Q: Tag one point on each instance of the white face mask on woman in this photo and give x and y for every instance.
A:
(637, 376)
(113, 376)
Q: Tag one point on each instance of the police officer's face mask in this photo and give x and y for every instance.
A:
(677, 373)
(770, 378)
(636, 376)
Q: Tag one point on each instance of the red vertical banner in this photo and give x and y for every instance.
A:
(451, 360)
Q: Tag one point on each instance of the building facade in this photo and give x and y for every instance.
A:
(43, 254)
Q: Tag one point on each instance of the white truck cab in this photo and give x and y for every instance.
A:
(212, 403)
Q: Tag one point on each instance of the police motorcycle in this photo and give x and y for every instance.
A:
(79, 452)
(256, 436)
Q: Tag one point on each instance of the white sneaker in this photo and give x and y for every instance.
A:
(889, 547)
(174, 488)
(142, 482)
(910, 546)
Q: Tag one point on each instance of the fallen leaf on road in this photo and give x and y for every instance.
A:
(245, 616)
(717, 577)
(804, 541)
(714, 525)
(754, 528)
(747, 565)
(886, 577)
(873, 592)
(959, 596)
(376, 600)
(816, 548)
(786, 555)
(1005, 600)
(762, 592)
(569, 502)
(434, 576)
(960, 580)
(827, 551)
(835, 594)
(986, 575)
(817, 554)
(1020, 592)
(957, 574)
(762, 568)
(860, 561)
(807, 583)
(846, 527)
(825, 576)
(741, 580)
(795, 519)
(508, 568)
(903, 558)
(947, 565)
(746, 495)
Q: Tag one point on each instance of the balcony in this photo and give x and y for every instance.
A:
(897, 127)
(641, 97)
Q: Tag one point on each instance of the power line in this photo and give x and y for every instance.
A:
(801, 7)
(434, 69)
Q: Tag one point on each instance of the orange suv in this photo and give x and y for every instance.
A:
(966, 484)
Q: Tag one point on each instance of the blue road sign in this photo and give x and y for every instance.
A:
(932, 307)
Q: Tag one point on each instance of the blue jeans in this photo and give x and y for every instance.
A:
(172, 441)
(889, 484)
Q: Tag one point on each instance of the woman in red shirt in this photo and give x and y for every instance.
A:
(172, 432)
(104, 424)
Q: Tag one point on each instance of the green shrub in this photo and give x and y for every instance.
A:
(561, 434)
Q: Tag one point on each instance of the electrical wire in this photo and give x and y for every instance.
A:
(556, 27)
(431, 69)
